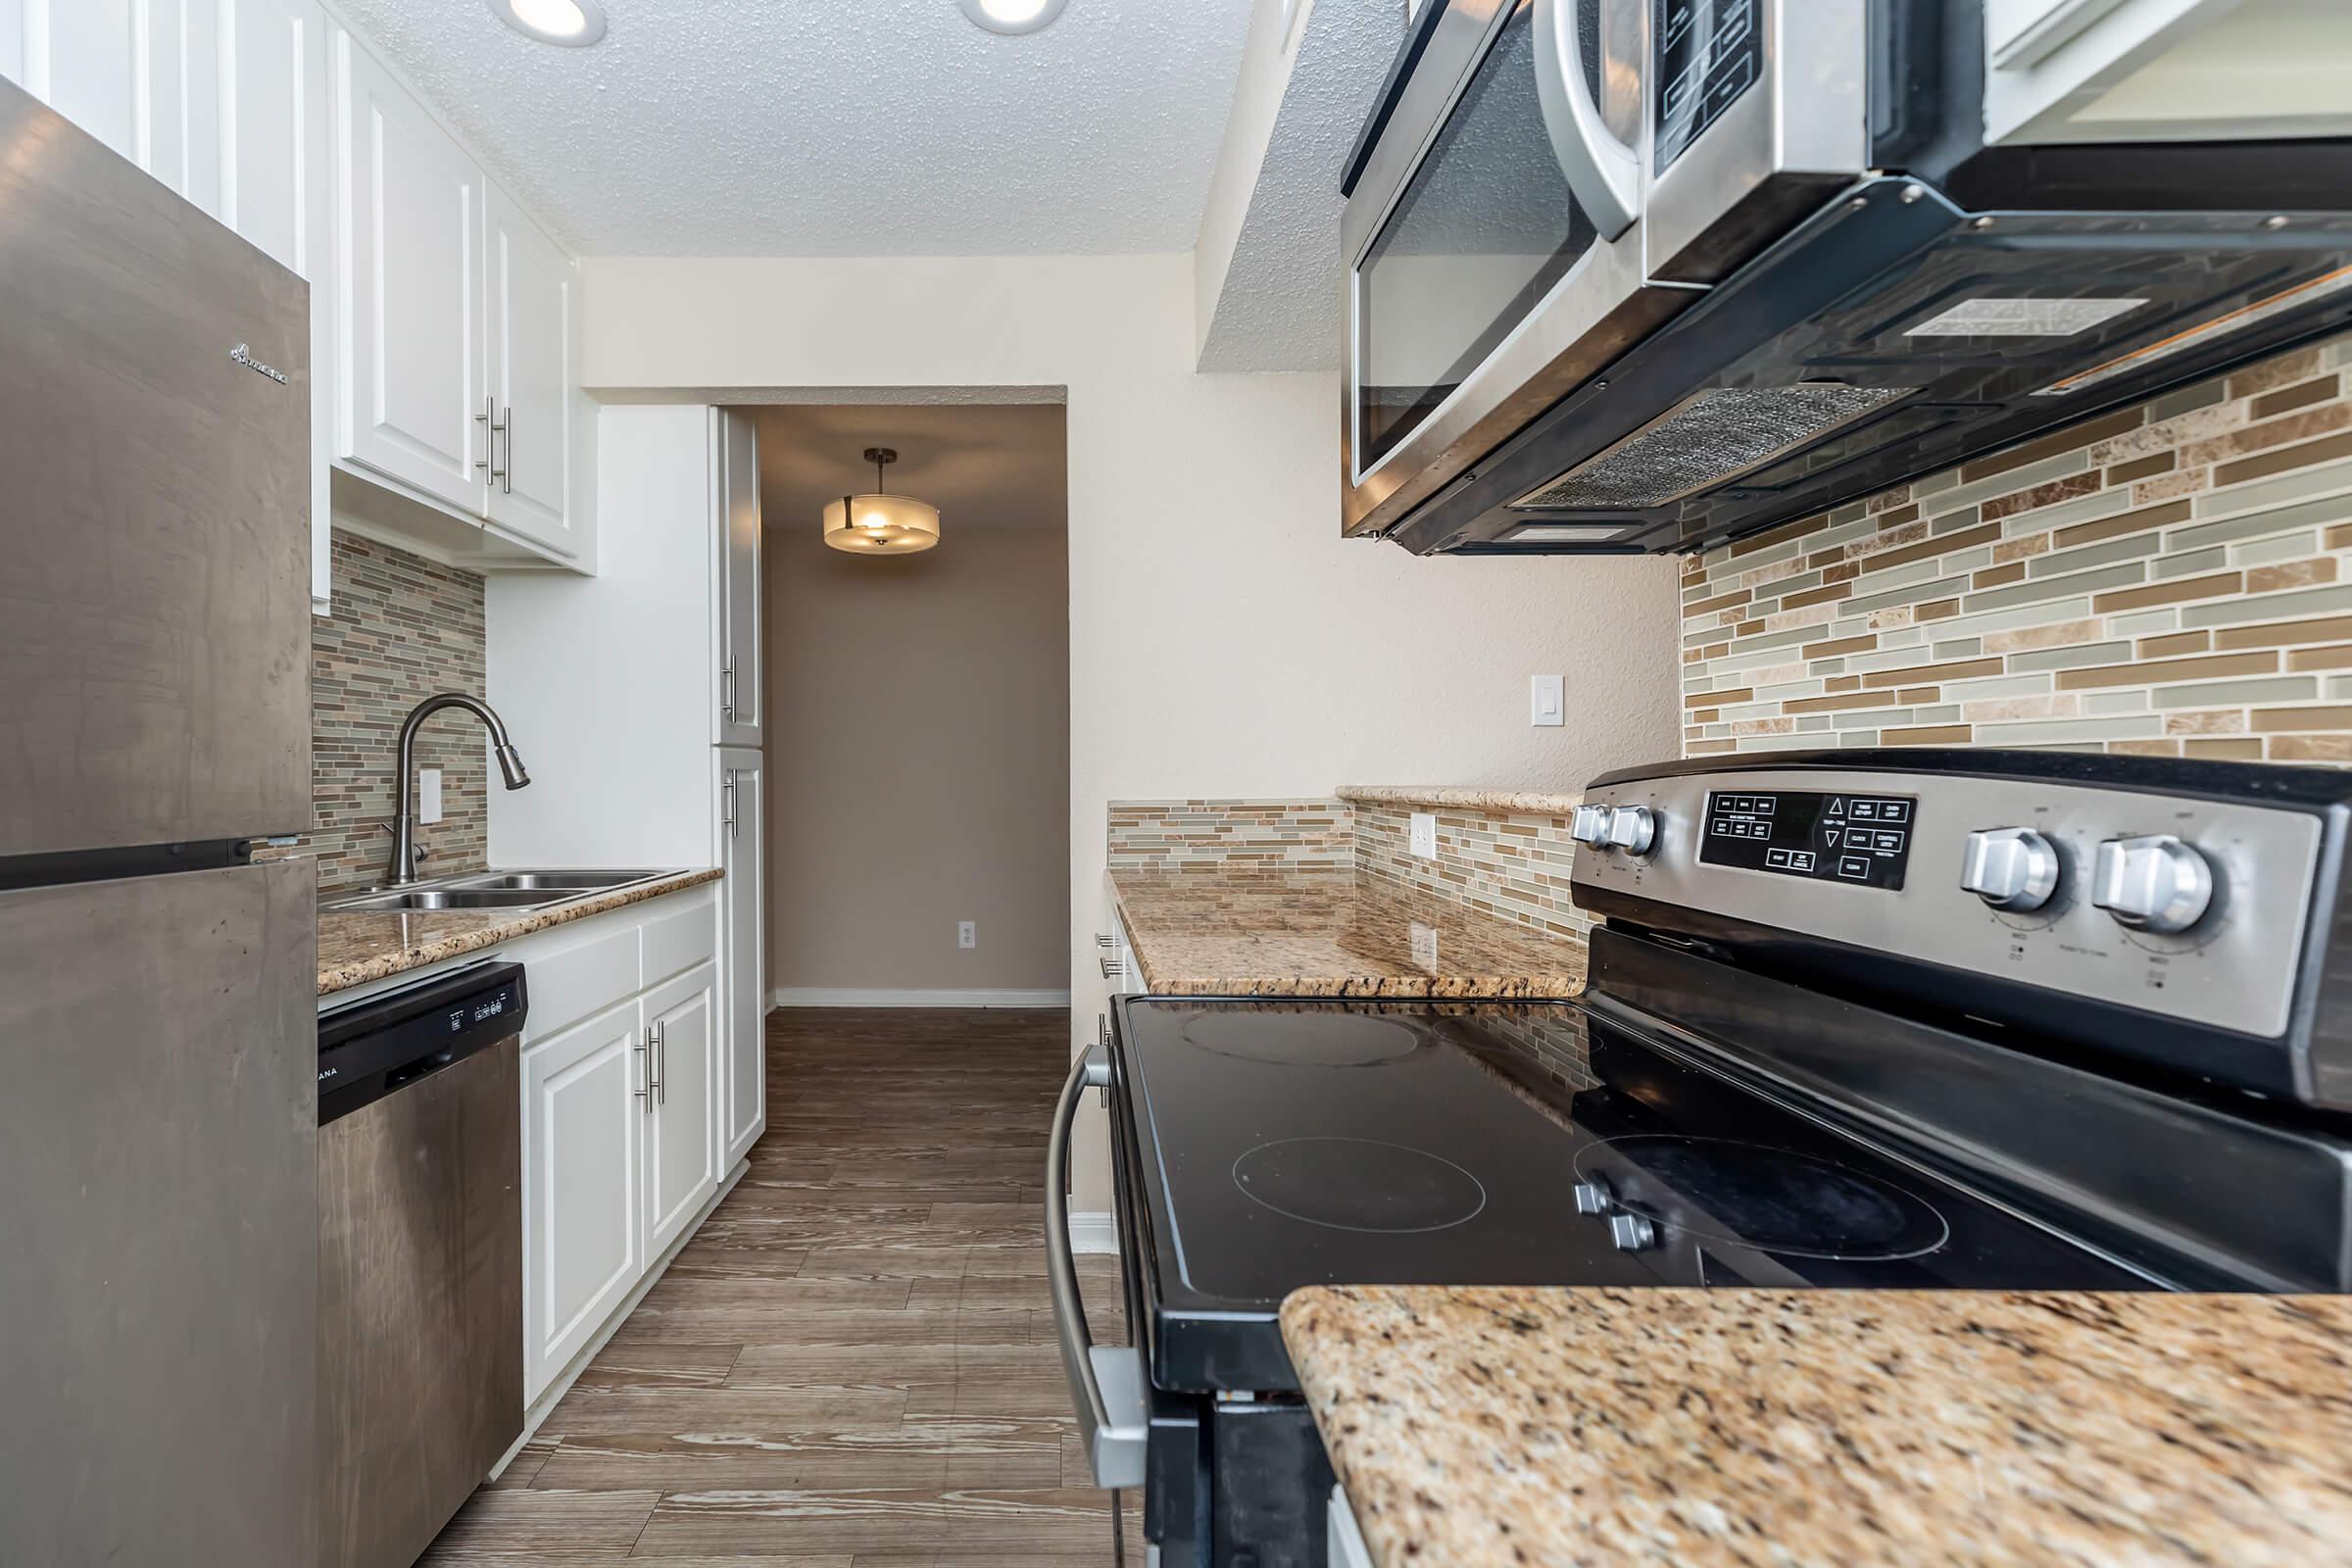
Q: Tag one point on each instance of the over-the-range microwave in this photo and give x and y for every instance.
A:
(1651, 275)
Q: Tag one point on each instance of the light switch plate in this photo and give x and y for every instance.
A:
(428, 794)
(1424, 834)
(1547, 699)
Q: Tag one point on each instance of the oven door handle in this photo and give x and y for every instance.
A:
(1107, 1383)
(1604, 173)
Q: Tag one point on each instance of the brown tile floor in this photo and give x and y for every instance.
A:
(851, 1364)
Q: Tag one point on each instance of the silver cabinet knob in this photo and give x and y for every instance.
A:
(1631, 1233)
(1591, 825)
(1593, 1196)
(2152, 883)
(1633, 829)
(2010, 867)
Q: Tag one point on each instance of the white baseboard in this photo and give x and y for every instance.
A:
(850, 997)
(1094, 1233)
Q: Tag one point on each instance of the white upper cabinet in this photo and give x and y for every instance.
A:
(736, 461)
(2074, 71)
(82, 58)
(534, 317)
(412, 402)
(138, 75)
(743, 953)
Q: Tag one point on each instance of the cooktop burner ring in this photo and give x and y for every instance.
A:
(1304, 1038)
(1764, 1197)
(1323, 1181)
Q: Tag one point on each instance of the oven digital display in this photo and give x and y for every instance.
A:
(1708, 52)
(1860, 839)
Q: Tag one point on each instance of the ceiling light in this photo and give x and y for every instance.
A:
(880, 525)
(574, 24)
(1012, 15)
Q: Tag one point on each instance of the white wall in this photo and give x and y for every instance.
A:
(1224, 639)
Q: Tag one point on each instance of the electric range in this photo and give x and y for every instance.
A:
(1857, 1020)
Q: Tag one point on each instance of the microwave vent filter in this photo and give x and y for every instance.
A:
(1706, 440)
(1991, 316)
(1569, 533)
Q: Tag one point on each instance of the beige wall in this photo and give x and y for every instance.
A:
(1224, 639)
(919, 773)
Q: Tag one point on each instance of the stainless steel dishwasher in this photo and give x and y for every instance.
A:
(420, 1258)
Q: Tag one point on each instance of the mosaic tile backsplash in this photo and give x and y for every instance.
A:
(2172, 579)
(403, 627)
(1223, 835)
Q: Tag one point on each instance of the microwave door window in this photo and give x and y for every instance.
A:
(1480, 235)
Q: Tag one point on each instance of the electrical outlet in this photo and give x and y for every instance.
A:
(1547, 699)
(428, 794)
(1425, 947)
(967, 933)
(1424, 834)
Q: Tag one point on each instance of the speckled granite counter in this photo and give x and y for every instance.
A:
(1476, 1427)
(1464, 798)
(1330, 934)
(357, 946)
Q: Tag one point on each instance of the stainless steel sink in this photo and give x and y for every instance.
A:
(496, 890)
(456, 899)
(573, 881)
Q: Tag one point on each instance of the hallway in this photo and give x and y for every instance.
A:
(851, 1364)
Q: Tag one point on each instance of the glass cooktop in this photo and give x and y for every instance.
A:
(1275, 1145)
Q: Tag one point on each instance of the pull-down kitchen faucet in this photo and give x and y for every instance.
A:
(403, 822)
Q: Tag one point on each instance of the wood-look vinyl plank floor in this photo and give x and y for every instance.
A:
(851, 1364)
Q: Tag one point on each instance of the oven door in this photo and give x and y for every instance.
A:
(1494, 240)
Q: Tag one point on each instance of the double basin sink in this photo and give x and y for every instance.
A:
(492, 890)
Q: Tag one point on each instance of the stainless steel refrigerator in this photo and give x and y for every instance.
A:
(158, 1050)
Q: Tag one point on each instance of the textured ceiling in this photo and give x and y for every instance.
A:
(839, 128)
(1279, 308)
(1002, 466)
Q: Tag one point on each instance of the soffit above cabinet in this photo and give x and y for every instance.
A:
(880, 127)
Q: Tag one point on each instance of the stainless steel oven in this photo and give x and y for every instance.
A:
(1551, 180)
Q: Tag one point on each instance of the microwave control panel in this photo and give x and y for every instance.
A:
(1706, 54)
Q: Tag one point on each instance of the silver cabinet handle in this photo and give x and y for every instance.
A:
(645, 1048)
(1107, 1383)
(661, 1054)
(1104, 939)
(1112, 968)
(726, 689)
(726, 796)
(507, 474)
(1604, 173)
(488, 420)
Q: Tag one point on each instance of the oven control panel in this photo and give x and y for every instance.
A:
(2170, 904)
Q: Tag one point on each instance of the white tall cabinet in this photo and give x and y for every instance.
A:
(650, 637)
(445, 323)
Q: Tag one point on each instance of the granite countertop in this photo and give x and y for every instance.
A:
(1476, 1427)
(357, 946)
(1330, 934)
(1465, 797)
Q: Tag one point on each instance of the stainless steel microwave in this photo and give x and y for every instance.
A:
(1644, 275)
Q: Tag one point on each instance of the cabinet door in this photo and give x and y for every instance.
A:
(80, 58)
(738, 491)
(534, 296)
(742, 939)
(273, 140)
(411, 380)
(681, 1165)
(584, 1110)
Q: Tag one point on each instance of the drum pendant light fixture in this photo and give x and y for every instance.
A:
(880, 525)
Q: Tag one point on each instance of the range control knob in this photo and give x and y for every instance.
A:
(1633, 829)
(1591, 825)
(2152, 883)
(1593, 1196)
(1631, 1233)
(2010, 867)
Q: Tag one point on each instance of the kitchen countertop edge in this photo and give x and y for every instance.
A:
(1465, 797)
(382, 960)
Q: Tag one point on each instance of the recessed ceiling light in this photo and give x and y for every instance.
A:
(574, 24)
(1012, 15)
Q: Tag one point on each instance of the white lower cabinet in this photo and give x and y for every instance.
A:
(742, 949)
(681, 1114)
(582, 1143)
